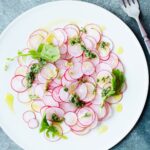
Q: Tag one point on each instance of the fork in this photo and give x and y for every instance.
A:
(131, 7)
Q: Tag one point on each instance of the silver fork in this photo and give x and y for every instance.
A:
(131, 7)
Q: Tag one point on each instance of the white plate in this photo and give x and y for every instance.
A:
(14, 38)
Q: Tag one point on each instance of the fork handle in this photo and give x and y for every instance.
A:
(144, 34)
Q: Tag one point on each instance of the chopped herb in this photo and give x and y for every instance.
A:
(88, 53)
(33, 96)
(66, 89)
(104, 44)
(117, 83)
(76, 101)
(50, 129)
(86, 115)
(74, 41)
(98, 80)
(56, 118)
(83, 30)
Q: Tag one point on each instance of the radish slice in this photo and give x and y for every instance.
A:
(64, 95)
(54, 110)
(39, 90)
(49, 71)
(41, 79)
(103, 66)
(67, 106)
(82, 91)
(37, 105)
(77, 59)
(120, 66)
(83, 132)
(28, 115)
(74, 26)
(124, 87)
(94, 33)
(17, 84)
(55, 94)
(75, 72)
(93, 26)
(24, 97)
(60, 35)
(61, 64)
(95, 60)
(70, 118)
(88, 43)
(65, 128)
(71, 32)
(49, 101)
(112, 61)
(33, 123)
(105, 47)
(67, 76)
(63, 49)
(90, 92)
(88, 68)
(89, 79)
(75, 50)
(35, 40)
(52, 85)
(77, 128)
(115, 99)
(103, 77)
(98, 98)
(65, 82)
(21, 70)
(42, 32)
(86, 116)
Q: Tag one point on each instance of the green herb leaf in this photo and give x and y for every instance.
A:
(44, 124)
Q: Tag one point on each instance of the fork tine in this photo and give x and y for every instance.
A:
(122, 3)
(126, 3)
(136, 2)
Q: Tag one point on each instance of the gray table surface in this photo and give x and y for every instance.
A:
(139, 137)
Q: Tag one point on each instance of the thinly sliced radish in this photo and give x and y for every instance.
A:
(43, 110)
(103, 77)
(49, 101)
(90, 92)
(49, 71)
(42, 32)
(83, 132)
(33, 123)
(73, 87)
(65, 128)
(68, 77)
(112, 61)
(88, 43)
(124, 87)
(120, 66)
(67, 106)
(94, 124)
(17, 84)
(75, 50)
(71, 32)
(82, 91)
(55, 94)
(98, 98)
(104, 58)
(93, 26)
(65, 82)
(103, 66)
(105, 47)
(86, 116)
(115, 99)
(21, 70)
(77, 128)
(41, 79)
(77, 59)
(101, 112)
(61, 64)
(28, 115)
(24, 96)
(94, 33)
(70, 118)
(60, 35)
(88, 68)
(75, 72)
(54, 110)
(39, 90)
(37, 105)
(89, 79)
(35, 40)
(52, 85)
(63, 49)
(74, 26)
(68, 56)
(64, 95)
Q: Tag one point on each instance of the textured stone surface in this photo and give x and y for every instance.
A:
(139, 137)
